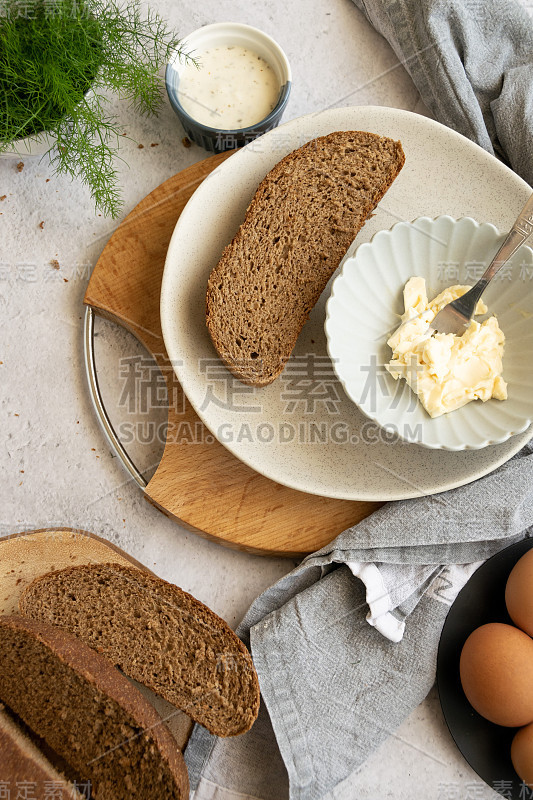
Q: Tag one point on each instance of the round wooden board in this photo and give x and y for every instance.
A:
(25, 556)
(199, 482)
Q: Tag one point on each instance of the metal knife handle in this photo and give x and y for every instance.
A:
(519, 233)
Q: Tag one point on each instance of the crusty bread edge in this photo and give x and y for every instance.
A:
(99, 672)
(21, 755)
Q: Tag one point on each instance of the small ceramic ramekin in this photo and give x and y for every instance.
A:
(221, 34)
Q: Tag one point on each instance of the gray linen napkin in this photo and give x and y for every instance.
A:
(333, 685)
(472, 62)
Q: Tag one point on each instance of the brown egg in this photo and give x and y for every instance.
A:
(522, 754)
(496, 669)
(519, 593)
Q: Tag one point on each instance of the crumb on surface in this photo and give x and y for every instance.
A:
(66, 280)
(154, 144)
(3, 198)
(54, 263)
(20, 166)
(41, 224)
(140, 146)
(186, 142)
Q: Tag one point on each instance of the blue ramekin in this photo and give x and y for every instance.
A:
(222, 33)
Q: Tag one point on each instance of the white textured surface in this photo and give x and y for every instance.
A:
(365, 306)
(55, 466)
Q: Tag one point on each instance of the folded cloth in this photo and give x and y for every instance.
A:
(472, 62)
(334, 686)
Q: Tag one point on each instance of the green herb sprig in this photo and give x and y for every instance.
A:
(57, 57)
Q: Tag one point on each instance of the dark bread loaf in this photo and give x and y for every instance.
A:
(22, 763)
(88, 713)
(301, 221)
(157, 634)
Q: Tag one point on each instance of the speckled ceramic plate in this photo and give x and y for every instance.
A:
(302, 430)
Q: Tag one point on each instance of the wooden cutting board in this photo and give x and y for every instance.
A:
(25, 556)
(199, 482)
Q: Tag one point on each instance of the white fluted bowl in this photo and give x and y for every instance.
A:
(365, 306)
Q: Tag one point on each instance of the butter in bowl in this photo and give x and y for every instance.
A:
(386, 284)
(236, 90)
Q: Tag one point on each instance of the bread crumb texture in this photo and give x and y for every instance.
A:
(88, 713)
(157, 634)
(302, 219)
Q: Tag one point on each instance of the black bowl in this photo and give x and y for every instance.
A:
(486, 746)
(223, 33)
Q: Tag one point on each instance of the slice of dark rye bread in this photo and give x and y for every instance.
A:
(157, 634)
(23, 764)
(302, 219)
(88, 713)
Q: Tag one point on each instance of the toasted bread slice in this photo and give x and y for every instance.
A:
(157, 634)
(88, 713)
(301, 221)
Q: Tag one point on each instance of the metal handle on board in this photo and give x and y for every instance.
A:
(96, 397)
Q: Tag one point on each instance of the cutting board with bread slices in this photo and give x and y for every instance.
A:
(114, 656)
(27, 556)
(245, 510)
